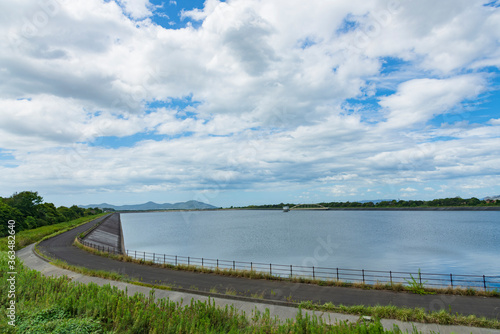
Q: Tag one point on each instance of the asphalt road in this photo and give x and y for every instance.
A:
(60, 247)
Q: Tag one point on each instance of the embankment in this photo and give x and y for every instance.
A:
(108, 234)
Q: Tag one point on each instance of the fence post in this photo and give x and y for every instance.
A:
(484, 282)
(251, 266)
(337, 274)
(217, 263)
(154, 257)
(234, 265)
(135, 256)
(451, 280)
(313, 274)
(270, 269)
(202, 262)
(144, 256)
(188, 261)
(291, 272)
(176, 260)
(363, 271)
(163, 258)
(390, 275)
(420, 277)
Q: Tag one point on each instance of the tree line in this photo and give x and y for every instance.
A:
(441, 202)
(28, 210)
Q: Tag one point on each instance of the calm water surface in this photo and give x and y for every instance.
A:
(459, 242)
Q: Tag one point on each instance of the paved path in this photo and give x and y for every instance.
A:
(282, 312)
(275, 292)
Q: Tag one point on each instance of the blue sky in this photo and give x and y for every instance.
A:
(249, 102)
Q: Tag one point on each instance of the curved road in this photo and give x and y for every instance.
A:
(61, 247)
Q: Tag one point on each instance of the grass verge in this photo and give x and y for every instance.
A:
(377, 312)
(57, 305)
(406, 314)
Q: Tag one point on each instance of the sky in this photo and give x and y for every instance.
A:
(249, 101)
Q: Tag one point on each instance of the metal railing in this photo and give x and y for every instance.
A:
(369, 277)
(107, 249)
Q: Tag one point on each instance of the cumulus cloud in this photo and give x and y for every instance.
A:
(259, 94)
(418, 101)
(137, 9)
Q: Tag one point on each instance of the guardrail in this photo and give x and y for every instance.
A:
(371, 277)
(107, 249)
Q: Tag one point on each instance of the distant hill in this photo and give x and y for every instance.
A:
(492, 198)
(189, 205)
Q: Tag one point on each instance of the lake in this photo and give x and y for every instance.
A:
(458, 242)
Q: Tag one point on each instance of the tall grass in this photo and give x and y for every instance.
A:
(406, 314)
(28, 237)
(46, 305)
(382, 312)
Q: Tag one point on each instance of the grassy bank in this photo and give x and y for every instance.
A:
(28, 237)
(406, 314)
(57, 305)
(381, 312)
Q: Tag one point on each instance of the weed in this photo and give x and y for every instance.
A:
(406, 314)
(258, 295)
(230, 292)
(417, 287)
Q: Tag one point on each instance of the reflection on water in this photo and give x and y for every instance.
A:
(459, 242)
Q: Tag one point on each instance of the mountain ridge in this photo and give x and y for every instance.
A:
(497, 197)
(189, 205)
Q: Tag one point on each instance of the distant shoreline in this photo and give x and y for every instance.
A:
(441, 208)
(456, 208)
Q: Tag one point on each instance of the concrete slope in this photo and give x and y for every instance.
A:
(108, 234)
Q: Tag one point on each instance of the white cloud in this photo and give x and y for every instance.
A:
(408, 189)
(271, 84)
(419, 100)
(137, 9)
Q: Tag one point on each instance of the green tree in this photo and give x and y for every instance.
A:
(79, 212)
(30, 223)
(67, 213)
(9, 213)
(473, 201)
(26, 202)
(94, 211)
(48, 214)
